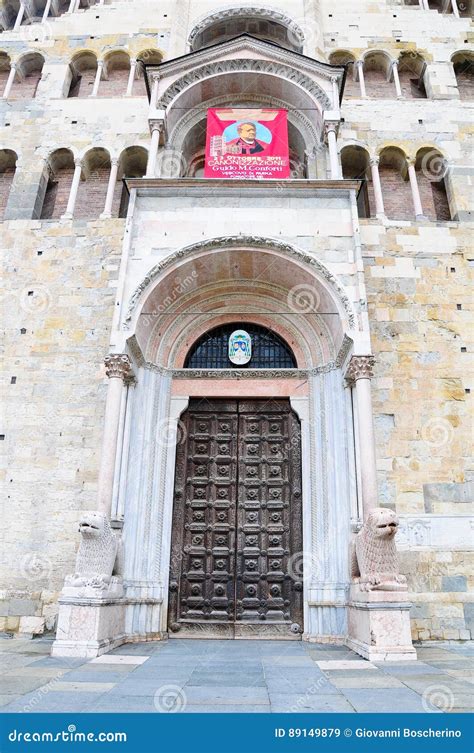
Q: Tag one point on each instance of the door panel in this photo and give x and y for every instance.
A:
(236, 521)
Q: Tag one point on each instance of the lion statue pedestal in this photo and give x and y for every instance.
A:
(379, 613)
(91, 616)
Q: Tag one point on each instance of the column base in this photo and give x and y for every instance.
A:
(379, 625)
(89, 626)
(420, 217)
(105, 216)
(66, 216)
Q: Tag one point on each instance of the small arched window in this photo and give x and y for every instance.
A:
(269, 351)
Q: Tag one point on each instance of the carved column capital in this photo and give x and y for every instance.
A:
(374, 161)
(118, 366)
(360, 367)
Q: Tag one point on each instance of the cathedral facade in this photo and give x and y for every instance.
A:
(221, 375)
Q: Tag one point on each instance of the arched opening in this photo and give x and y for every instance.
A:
(4, 70)
(8, 160)
(247, 89)
(343, 57)
(355, 164)
(264, 350)
(93, 186)
(411, 69)
(431, 170)
(83, 69)
(262, 282)
(378, 76)
(270, 26)
(463, 64)
(61, 171)
(115, 74)
(9, 13)
(27, 77)
(132, 164)
(446, 8)
(395, 185)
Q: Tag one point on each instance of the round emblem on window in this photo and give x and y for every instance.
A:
(240, 347)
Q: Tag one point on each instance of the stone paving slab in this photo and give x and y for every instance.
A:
(364, 680)
(371, 700)
(119, 659)
(286, 703)
(228, 676)
(226, 695)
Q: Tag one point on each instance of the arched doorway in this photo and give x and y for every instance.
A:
(237, 521)
(187, 300)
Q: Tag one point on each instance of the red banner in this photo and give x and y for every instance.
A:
(247, 143)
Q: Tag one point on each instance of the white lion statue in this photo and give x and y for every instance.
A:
(97, 554)
(374, 555)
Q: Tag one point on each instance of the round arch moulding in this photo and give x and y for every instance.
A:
(319, 270)
(230, 12)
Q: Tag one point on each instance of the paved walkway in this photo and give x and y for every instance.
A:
(229, 676)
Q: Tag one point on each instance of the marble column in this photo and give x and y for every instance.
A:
(72, 6)
(415, 191)
(379, 205)
(331, 129)
(19, 17)
(396, 79)
(335, 93)
(69, 213)
(154, 91)
(360, 69)
(131, 77)
(10, 80)
(156, 127)
(118, 370)
(114, 165)
(455, 8)
(98, 75)
(359, 373)
(47, 8)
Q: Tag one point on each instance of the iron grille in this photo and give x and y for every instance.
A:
(269, 351)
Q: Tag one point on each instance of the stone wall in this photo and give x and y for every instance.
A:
(62, 275)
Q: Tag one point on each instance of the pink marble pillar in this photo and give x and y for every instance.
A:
(359, 373)
(119, 371)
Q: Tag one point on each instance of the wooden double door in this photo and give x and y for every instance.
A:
(237, 522)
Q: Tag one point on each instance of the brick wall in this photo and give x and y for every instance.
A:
(377, 86)
(57, 194)
(26, 88)
(396, 193)
(91, 194)
(433, 198)
(6, 179)
(465, 79)
(115, 85)
(83, 85)
(3, 80)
